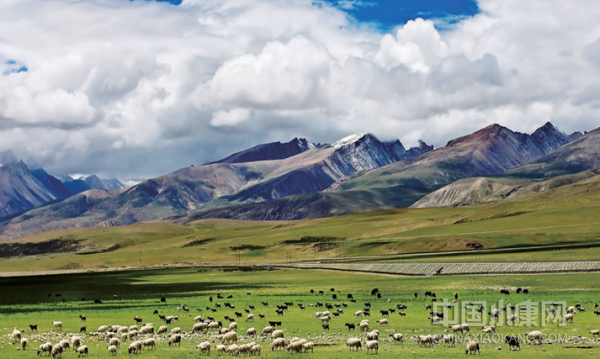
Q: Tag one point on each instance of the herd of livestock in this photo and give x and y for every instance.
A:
(211, 333)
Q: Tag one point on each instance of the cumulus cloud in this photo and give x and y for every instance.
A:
(139, 89)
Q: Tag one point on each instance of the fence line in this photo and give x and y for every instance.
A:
(425, 269)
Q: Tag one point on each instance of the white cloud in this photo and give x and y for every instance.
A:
(231, 118)
(144, 87)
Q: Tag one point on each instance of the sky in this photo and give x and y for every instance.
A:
(138, 89)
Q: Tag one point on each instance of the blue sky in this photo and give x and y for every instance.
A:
(389, 13)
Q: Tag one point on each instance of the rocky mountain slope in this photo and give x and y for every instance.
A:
(489, 151)
(269, 151)
(22, 189)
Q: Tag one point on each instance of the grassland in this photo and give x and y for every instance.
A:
(566, 215)
(25, 301)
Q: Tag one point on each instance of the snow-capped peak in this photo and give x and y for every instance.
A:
(348, 140)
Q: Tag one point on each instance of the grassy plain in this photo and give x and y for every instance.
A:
(25, 301)
(566, 215)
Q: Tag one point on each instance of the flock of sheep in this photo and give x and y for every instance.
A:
(213, 334)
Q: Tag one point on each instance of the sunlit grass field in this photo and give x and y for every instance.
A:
(25, 301)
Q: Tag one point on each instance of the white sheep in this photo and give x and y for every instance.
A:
(233, 326)
(364, 326)
(133, 327)
(112, 350)
(82, 350)
(472, 347)
(513, 318)
(146, 330)
(116, 342)
(373, 335)
(277, 334)
(123, 330)
(176, 330)
(220, 349)
(308, 346)
(372, 345)
(224, 331)
(595, 332)
(397, 337)
(198, 327)
(230, 337)
(572, 310)
(102, 328)
(135, 347)
(251, 332)
(278, 343)
(65, 344)
(57, 325)
(197, 319)
(359, 313)
(383, 322)
(267, 330)
(162, 329)
(76, 342)
(175, 339)
(232, 349)
(57, 351)
(536, 336)
(354, 343)
(149, 343)
(204, 347)
(243, 349)
(250, 318)
(16, 334)
(425, 340)
(24, 343)
(45, 348)
(449, 339)
(569, 318)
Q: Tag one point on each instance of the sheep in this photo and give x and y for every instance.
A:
(112, 349)
(449, 339)
(24, 343)
(220, 349)
(176, 330)
(232, 349)
(175, 339)
(116, 342)
(230, 337)
(472, 347)
(435, 319)
(595, 332)
(204, 347)
(133, 327)
(465, 328)
(82, 318)
(45, 348)
(397, 337)
(57, 351)
(383, 322)
(250, 318)
(16, 334)
(277, 343)
(135, 347)
(536, 336)
(33, 327)
(489, 330)
(277, 334)
(373, 335)
(233, 326)
(163, 329)
(572, 309)
(256, 349)
(147, 330)
(102, 328)
(513, 318)
(294, 347)
(251, 332)
(354, 343)
(425, 340)
(364, 326)
(82, 350)
(568, 318)
(513, 342)
(65, 344)
(372, 345)
(308, 346)
(267, 330)
(75, 342)
(224, 331)
(243, 349)
(214, 325)
(57, 325)
(150, 343)
(359, 313)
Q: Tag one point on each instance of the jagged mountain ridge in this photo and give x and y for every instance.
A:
(22, 189)
(489, 151)
(269, 151)
(282, 184)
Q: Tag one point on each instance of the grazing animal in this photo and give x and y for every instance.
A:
(372, 345)
(472, 347)
(350, 326)
(325, 326)
(354, 343)
(83, 350)
(513, 342)
(82, 329)
(33, 327)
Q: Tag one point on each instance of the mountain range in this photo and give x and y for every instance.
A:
(299, 179)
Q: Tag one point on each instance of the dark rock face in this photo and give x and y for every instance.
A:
(269, 151)
(22, 189)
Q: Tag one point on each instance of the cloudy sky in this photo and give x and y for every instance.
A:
(141, 88)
